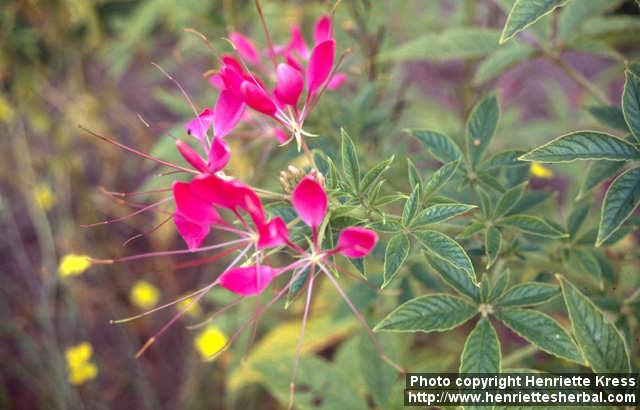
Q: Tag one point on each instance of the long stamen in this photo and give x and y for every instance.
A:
(135, 151)
(264, 309)
(122, 218)
(362, 321)
(133, 193)
(208, 259)
(149, 232)
(195, 299)
(186, 96)
(216, 314)
(272, 52)
(296, 360)
(168, 253)
(254, 327)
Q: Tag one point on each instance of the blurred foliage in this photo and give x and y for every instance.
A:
(413, 64)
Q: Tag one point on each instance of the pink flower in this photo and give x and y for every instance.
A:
(281, 103)
(310, 201)
(248, 280)
(355, 242)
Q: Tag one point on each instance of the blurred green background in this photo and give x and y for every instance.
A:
(82, 62)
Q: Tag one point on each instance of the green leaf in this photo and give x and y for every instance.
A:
(507, 158)
(470, 230)
(414, 176)
(439, 213)
(488, 181)
(395, 254)
(609, 115)
(584, 261)
(526, 12)
(481, 353)
(500, 285)
(430, 313)
(440, 177)
(543, 331)
(597, 173)
(527, 294)
(481, 126)
(457, 278)
(508, 200)
(583, 145)
(373, 175)
(621, 199)
(453, 43)
(501, 60)
(442, 147)
(380, 377)
(411, 206)
(576, 13)
(631, 102)
(492, 244)
(602, 345)
(296, 286)
(532, 225)
(388, 226)
(350, 165)
(576, 217)
(441, 246)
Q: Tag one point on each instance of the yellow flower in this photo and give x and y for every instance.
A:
(193, 311)
(72, 264)
(144, 295)
(43, 197)
(210, 341)
(540, 171)
(79, 368)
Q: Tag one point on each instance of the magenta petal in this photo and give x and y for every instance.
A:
(199, 126)
(217, 81)
(244, 280)
(233, 63)
(336, 81)
(273, 233)
(232, 79)
(289, 84)
(280, 135)
(322, 30)
(230, 194)
(320, 65)
(227, 113)
(245, 48)
(191, 156)
(356, 242)
(193, 233)
(297, 43)
(256, 98)
(219, 155)
(310, 201)
(192, 206)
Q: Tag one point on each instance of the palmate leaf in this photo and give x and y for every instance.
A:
(439, 213)
(526, 12)
(481, 127)
(601, 343)
(453, 43)
(543, 331)
(585, 261)
(508, 200)
(350, 164)
(430, 313)
(527, 294)
(631, 100)
(411, 206)
(609, 115)
(481, 353)
(583, 145)
(455, 277)
(440, 245)
(395, 254)
(501, 60)
(492, 244)
(531, 225)
(440, 177)
(374, 174)
(598, 172)
(621, 199)
(442, 147)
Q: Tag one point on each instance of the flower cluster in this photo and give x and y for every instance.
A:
(214, 201)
